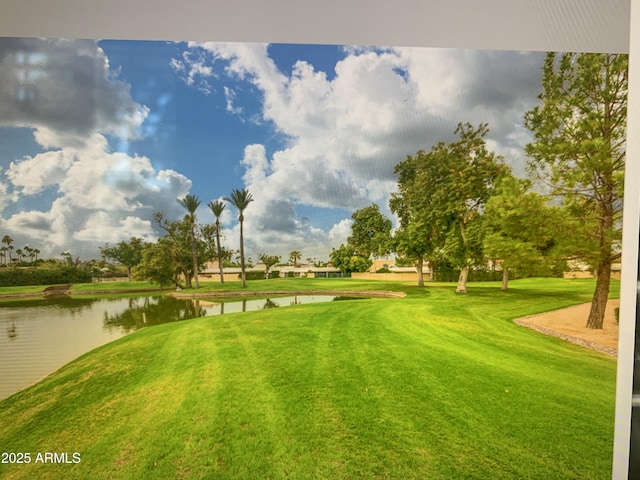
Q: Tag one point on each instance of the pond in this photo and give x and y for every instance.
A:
(40, 336)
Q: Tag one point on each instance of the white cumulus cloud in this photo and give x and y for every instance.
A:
(99, 197)
(344, 133)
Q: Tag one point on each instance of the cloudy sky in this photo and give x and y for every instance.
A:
(97, 135)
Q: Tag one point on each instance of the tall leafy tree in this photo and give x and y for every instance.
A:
(411, 241)
(217, 207)
(521, 230)
(347, 260)
(370, 232)
(126, 253)
(191, 204)
(418, 237)
(241, 199)
(158, 263)
(578, 151)
(177, 247)
(445, 189)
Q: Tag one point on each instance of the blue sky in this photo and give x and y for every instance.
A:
(97, 135)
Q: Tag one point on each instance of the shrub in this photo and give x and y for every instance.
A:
(256, 275)
(43, 276)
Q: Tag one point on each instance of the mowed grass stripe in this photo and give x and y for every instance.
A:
(430, 386)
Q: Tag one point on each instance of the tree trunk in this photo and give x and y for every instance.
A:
(505, 278)
(419, 269)
(219, 251)
(128, 273)
(462, 280)
(242, 275)
(194, 256)
(464, 273)
(600, 295)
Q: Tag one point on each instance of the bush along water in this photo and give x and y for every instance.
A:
(13, 277)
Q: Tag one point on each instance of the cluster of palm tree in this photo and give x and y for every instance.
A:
(240, 199)
(24, 254)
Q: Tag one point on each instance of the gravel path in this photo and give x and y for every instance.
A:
(569, 324)
(578, 341)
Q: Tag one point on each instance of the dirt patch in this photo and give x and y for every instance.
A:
(570, 324)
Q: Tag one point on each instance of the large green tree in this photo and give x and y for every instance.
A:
(177, 249)
(217, 208)
(241, 200)
(521, 230)
(370, 232)
(445, 189)
(347, 260)
(126, 253)
(191, 204)
(158, 263)
(418, 237)
(578, 152)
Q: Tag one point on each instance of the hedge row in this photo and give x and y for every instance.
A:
(253, 275)
(486, 275)
(43, 276)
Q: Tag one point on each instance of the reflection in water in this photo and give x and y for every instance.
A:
(12, 331)
(148, 311)
(268, 303)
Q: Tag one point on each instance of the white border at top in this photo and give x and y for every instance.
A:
(544, 25)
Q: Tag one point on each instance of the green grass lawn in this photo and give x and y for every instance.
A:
(121, 285)
(22, 289)
(431, 386)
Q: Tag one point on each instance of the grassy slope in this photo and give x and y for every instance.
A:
(434, 385)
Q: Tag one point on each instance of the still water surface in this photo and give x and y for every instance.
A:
(40, 336)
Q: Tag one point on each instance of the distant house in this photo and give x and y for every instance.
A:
(579, 269)
(212, 271)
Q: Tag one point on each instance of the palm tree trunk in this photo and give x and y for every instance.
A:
(194, 256)
(243, 276)
(219, 251)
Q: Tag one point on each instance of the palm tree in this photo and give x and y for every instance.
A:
(191, 204)
(217, 208)
(241, 200)
(7, 240)
(294, 257)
